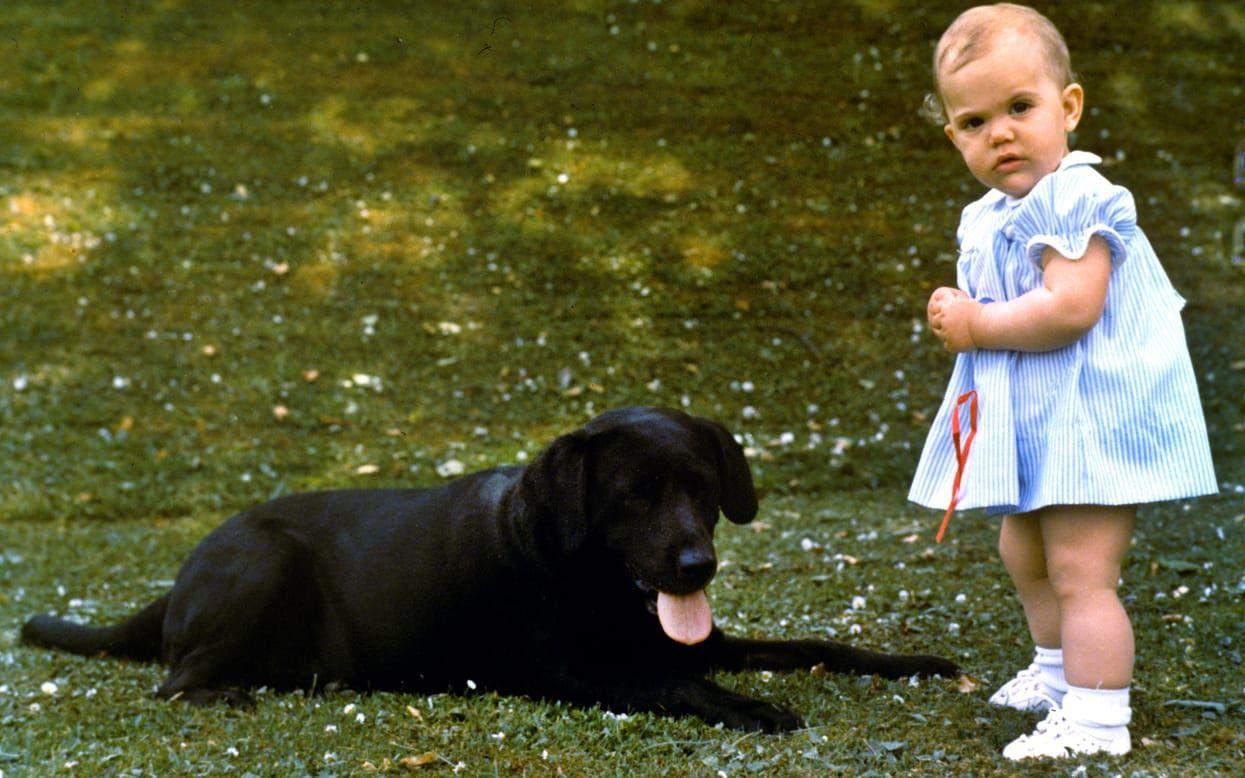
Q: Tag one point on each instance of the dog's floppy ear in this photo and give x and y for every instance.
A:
(739, 498)
(555, 495)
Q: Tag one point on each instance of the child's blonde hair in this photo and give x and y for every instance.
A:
(975, 31)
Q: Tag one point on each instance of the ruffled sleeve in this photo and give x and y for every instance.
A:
(1068, 207)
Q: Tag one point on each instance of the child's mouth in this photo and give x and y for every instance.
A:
(1008, 164)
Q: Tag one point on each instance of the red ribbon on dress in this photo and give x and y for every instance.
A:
(961, 454)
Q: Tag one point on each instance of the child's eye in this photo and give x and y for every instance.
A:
(1020, 106)
(971, 123)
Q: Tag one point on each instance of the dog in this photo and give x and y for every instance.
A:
(580, 577)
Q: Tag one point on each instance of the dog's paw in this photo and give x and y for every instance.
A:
(760, 716)
(927, 665)
(234, 698)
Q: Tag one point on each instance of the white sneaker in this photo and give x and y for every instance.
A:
(1057, 737)
(1025, 692)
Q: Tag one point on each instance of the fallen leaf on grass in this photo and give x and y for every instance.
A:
(419, 760)
(967, 684)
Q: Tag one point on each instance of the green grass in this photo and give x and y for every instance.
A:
(480, 224)
(793, 575)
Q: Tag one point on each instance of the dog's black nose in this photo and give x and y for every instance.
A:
(697, 563)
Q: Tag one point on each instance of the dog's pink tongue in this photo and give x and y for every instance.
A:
(685, 617)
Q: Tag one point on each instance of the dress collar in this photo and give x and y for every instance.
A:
(1071, 159)
(1074, 158)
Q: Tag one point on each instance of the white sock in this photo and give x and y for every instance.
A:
(1105, 713)
(1049, 662)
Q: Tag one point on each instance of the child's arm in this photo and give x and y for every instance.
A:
(1067, 305)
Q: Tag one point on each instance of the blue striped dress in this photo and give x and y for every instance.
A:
(1113, 419)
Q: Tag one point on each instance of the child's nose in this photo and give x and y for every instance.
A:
(1001, 131)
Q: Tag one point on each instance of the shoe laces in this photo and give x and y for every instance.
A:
(1027, 679)
(1055, 723)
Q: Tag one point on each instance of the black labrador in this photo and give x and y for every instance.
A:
(579, 577)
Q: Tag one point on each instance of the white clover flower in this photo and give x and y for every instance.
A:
(451, 468)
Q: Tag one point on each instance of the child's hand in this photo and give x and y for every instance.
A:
(951, 313)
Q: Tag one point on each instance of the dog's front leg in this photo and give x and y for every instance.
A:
(714, 704)
(732, 653)
(675, 695)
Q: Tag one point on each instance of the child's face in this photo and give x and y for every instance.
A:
(1008, 116)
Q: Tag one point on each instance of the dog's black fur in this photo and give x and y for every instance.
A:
(537, 580)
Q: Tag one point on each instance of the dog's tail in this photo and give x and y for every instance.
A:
(138, 637)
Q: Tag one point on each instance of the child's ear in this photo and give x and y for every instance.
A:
(1073, 102)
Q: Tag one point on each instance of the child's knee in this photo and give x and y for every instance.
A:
(1070, 580)
(1022, 554)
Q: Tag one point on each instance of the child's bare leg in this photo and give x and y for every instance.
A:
(1085, 547)
(1040, 686)
(1024, 556)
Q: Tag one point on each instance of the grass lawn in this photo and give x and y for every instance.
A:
(254, 248)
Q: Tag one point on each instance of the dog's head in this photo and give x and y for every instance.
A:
(643, 487)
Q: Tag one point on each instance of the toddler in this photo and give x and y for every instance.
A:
(1071, 372)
